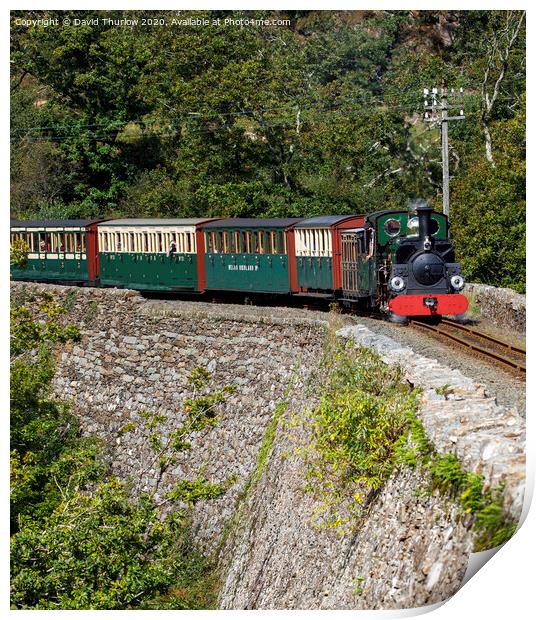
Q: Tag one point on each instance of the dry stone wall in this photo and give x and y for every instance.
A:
(410, 549)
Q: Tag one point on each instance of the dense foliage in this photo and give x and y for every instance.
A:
(321, 114)
(80, 538)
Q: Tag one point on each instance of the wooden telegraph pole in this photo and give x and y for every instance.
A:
(447, 100)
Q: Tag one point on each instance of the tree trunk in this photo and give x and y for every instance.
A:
(487, 135)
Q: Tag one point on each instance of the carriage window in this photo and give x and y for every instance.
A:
(262, 240)
(69, 242)
(213, 242)
(283, 242)
(273, 243)
(215, 247)
(300, 242)
(392, 227)
(246, 242)
(24, 237)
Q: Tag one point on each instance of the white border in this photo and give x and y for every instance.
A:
(504, 586)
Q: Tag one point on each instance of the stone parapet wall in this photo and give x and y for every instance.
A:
(502, 306)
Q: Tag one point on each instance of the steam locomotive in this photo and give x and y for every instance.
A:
(398, 261)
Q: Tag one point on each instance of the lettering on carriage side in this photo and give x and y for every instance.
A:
(243, 267)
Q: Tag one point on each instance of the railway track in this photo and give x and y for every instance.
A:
(477, 342)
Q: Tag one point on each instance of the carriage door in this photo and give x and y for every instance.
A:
(356, 265)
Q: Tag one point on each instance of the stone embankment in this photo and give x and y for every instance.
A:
(502, 306)
(411, 548)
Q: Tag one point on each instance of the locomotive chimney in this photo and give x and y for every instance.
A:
(424, 213)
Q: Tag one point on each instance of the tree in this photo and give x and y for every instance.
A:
(488, 210)
(81, 538)
(503, 38)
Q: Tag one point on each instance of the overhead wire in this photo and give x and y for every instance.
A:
(292, 105)
(109, 129)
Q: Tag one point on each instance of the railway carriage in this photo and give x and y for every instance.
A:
(59, 250)
(151, 254)
(318, 252)
(244, 254)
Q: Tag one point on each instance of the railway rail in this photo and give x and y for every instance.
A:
(477, 342)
